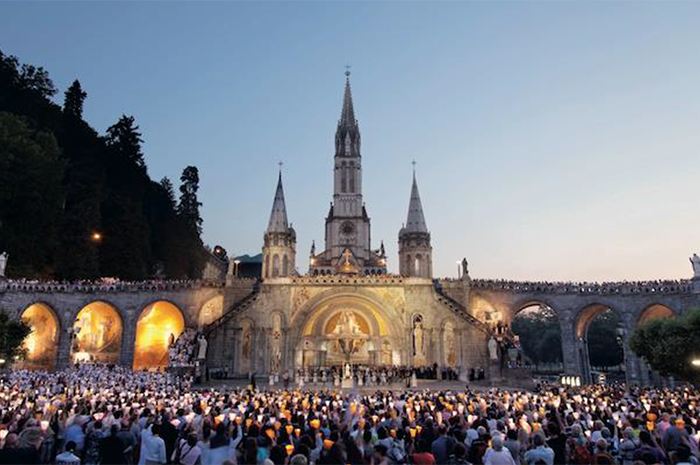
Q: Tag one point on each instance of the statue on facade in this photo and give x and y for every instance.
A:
(418, 338)
(493, 348)
(347, 372)
(465, 268)
(3, 263)
(694, 261)
(202, 345)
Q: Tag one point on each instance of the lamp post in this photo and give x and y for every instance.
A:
(235, 268)
(459, 269)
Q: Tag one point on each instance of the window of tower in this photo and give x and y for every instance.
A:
(285, 266)
(351, 169)
(343, 178)
(275, 266)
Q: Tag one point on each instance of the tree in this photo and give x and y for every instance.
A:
(125, 140)
(669, 345)
(188, 209)
(603, 346)
(12, 335)
(190, 260)
(73, 101)
(31, 196)
(540, 336)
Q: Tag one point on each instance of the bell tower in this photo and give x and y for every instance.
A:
(415, 251)
(279, 248)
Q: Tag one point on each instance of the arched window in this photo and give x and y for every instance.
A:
(343, 178)
(267, 266)
(275, 266)
(285, 266)
(351, 169)
(418, 265)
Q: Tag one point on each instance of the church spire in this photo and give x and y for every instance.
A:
(415, 223)
(278, 216)
(347, 116)
(347, 135)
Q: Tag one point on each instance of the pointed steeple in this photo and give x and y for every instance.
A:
(278, 216)
(347, 116)
(415, 223)
(347, 135)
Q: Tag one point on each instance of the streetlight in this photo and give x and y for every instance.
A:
(235, 268)
(96, 236)
(695, 362)
(459, 269)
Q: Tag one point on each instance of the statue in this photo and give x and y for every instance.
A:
(3, 263)
(202, 347)
(347, 324)
(694, 261)
(465, 266)
(347, 373)
(493, 348)
(418, 338)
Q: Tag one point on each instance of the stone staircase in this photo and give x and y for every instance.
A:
(233, 310)
(459, 309)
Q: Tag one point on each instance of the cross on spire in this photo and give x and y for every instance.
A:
(280, 164)
(347, 70)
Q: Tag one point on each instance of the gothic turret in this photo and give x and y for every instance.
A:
(279, 248)
(415, 251)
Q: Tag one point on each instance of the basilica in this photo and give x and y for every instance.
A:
(347, 308)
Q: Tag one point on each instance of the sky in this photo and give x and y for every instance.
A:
(553, 140)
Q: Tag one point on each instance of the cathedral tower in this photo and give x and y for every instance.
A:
(415, 252)
(348, 240)
(279, 248)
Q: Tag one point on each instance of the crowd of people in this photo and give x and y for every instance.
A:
(93, 414)
(106, 285)
(371, 376)
(618, 287)
(182, 351)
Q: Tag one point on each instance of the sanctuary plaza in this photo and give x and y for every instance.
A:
(345, 311)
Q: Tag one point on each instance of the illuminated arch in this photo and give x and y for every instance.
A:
(587, 314)
(654, 312)
(211, 310)
(97, 334)
(159, 324)
(42, 343)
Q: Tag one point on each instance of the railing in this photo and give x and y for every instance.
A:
(117, 286)
(234, 310)
(458, 308)
(609, 288)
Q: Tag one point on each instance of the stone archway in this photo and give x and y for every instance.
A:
(41, 344)
(582, 324)
(158, 326)
(97, 334)
(344, 326)
(652, 312)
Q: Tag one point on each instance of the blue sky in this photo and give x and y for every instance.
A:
(554, 140)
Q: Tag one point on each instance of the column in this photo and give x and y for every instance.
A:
(126, 358)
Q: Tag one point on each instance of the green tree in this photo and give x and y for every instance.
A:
(73, 101)
(12, 335)
(669, 345)
(603, 346)
(31, 195)
(125, 251)
(192, 254)
(540, 335)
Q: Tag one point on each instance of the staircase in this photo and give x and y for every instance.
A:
(458, 308)
(233, 310)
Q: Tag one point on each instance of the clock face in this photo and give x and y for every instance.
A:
(347, 229)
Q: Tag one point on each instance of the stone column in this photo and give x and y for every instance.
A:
(126, 357)
(569, 345)
(64, 347)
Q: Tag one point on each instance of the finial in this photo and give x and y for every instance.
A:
(280, 163)
(347, 70)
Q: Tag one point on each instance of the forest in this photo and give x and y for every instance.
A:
(79, 205)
